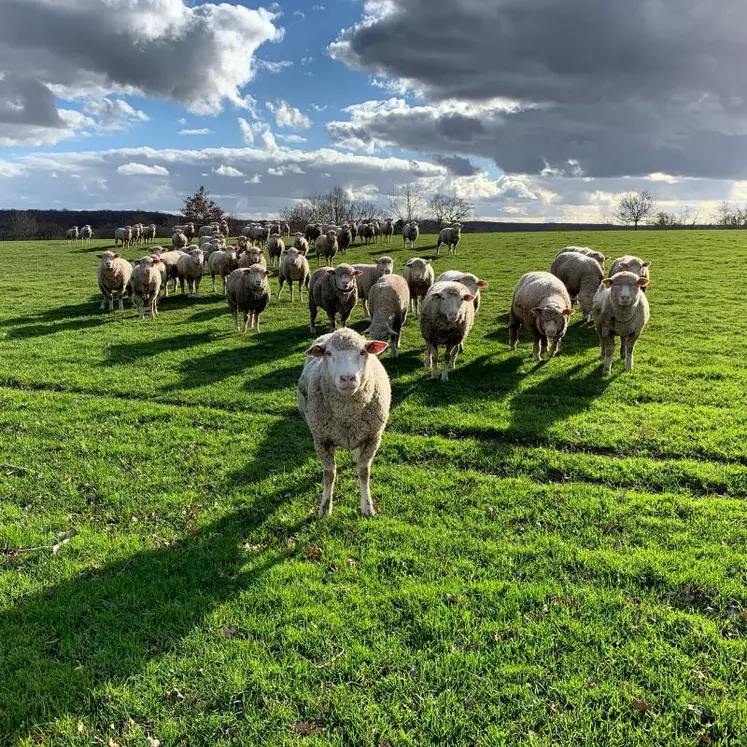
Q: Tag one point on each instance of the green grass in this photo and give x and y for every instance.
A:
(551, 545)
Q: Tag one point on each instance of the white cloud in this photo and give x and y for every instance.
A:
(288, 116)
(291, 138)
(182, 121)
(8, 170)
(306, 61)
(114, 114)
(274, 67)
(227, 171)
(256, 179)
(318, 108)
(299, 14)
(141, 169)
(200, 131)
(318, 8)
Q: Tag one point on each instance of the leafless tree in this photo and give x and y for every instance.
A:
(407, 202)
(731, 216)
(689, 217)
(448, 208)
(635, 207)
(335, 206)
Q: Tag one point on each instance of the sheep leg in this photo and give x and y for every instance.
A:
(623, 342)
(247, 315)
(198, 279)
(450, 357)
(555, 346)
(235, 317)
(326, 454)
(366, 309)
(631, 341)
(433, 352)
(212, 275)
(514, 323)
(331, 318)
(608, 348)
(256, 321)
(312, 315)
(181, 285)
(280, 286)
(536, 356)
(543, 346)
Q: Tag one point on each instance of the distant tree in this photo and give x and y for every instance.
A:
(335, 206)
(635, 207)
(731, 216)
(407, 202)
(663, 219)
(200, 209)
(448, 208)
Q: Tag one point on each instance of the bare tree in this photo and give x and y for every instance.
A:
(335, 206)
(407, 202)
(635, 207)
(447, 208)
(731, 216)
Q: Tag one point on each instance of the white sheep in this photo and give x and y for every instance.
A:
(468, 279)
(300, 242)
(629, 263)
(223, 262)
(72, 234)
(420, 277)
(189, 270)
(410, 232)
(252, 256)
(294, 268)
(146, 282)
(369, 274)
(389, 302)
(113, 274)
(275, 247)
(598, 256)
(179, 240)
(450, 236)
(86, 233)
(581, 275)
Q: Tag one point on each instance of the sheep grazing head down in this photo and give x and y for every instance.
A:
(107, 259)
(625, 287)
(450, 302)
(552, 321)
(344, 277)
(346, 357)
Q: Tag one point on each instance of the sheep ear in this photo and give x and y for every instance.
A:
(536, 311)
(357, 273)
(569, 312)
(482, 283)
(607, 282)
(156, 260)
(117, 255)
(99, 256)
(375, 347)
(269, 273)
(428, 261)
(642, 282)
(409, 262)
(316, 351)
(436, 296)
(648, 263)
(468, 297)
(331, 271)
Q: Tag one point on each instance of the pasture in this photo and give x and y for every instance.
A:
(558, 558)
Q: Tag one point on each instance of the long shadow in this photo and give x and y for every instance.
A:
(62, 645)
(51, 328)
(128, 352)
(60, 313)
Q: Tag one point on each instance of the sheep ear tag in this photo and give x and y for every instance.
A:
(357, 273)
(376, 347)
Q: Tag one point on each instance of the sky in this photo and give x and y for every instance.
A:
(534, 110)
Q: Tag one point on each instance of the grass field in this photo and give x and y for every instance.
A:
(559, 559)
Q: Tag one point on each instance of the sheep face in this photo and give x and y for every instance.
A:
(637, 267)
(292, 255)
(552, 321)
(197, 256)
(450, 302)
(418, 269)
(107, 259)
(472, 282)
(257, 275)
(385, 265)
(345, 360)
(344, 277)
(625, 288)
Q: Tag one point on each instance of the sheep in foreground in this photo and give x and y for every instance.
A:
(275, 248)
(344, 396)
(300, 243)
(170, 262)
(450, 236)
(542, 304)
(598, 256)
(334, 290)
(410, 232)
(629, 263)
(420, 277)
(369, 274)
(113, 274)
(581, 275)
(293, 268)
(252, 256)
(389, 302)
(446, 318)
(620, 308)
(223, 263)
(86, 233)
(470, 281)
(189, 270)
(326, 246)
(248, 291)
(146, 282)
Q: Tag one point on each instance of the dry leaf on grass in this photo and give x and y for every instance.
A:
(306, 729)
(641, 705)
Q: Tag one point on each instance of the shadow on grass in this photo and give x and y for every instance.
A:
(51, 328)
(88, 308)
(64, 645)
(131, 351)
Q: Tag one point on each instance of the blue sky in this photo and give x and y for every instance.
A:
(115, 104)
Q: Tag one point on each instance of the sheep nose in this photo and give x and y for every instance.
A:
(348, 381)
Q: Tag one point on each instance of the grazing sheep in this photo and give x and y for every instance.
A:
(581, 276)
(446, 318)
(189, 269)
(313, 231)
(470, 281)
(252, 256)
(598, 256)
(326, 246)
(286, 232)
(179, 240)
(629, 263)
(275, 247)
(146, 282)
(334, 290)
(450, 236)
(344, 238)
(542, 304)
(223, 262)
(293, 268)
(300, 243)
(369, 274)
(86, 233)
(72, 234)
(113, 274)
(620, 308)
(410, 232)
(344, 396)
(170, 261)
(420, 277)
(389, 302)
(248, 291)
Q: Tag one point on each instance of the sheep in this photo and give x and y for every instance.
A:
(542, 304)
(179, 240)
(375, 225)
(72, 234)
(224, 229)
(248, 291)
(326, 246)
(629, 263)
(313, 231)
(170, 261)
(149, 233)
(450, 236)
(210, 245)
(353, 231)
(472, 282)
(188, 229)
(275, 228)
(137, 233)
(410, 232)
(620, 308)
(145, 283)
(387, 230)
(246, 231)
(208, 230)
(189, 269)
(286, 230)
(420, 277)
(252, 256)
(275, 247)
(369, 274)
(344, 238)
(260, 234)
(366, 232)
(446, 318)
(120, 236)
(86, 233)
(334, 290)
(223, 262)
(344, 395)
(389, 301)
(598, 256)
(581, 276)
(300, 243)
(163, 270)
(293, 268)
(113, 274)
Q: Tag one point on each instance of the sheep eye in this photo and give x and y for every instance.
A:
(363, 352)
(327, 353)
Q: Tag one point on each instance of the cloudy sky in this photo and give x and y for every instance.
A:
(533, 109)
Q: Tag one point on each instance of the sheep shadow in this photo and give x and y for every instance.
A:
(61, 313)
(65, 644)
(52, 328)
(124, 353)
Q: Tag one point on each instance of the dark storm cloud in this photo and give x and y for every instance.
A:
(25, 101)
(457, 165)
